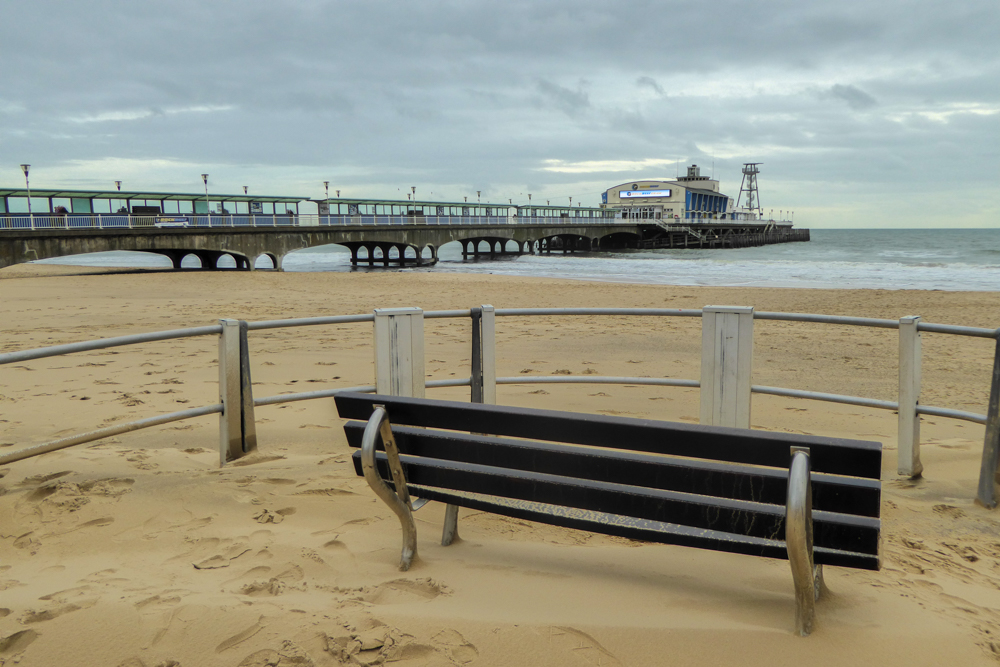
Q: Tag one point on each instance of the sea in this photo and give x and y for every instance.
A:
(887, 259)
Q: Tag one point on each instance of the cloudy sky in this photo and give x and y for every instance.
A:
(864, 114)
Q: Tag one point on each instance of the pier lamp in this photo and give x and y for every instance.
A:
(118, 184)
(478, 192)
(529, 199)
(25, 168)
(413, 188)
(466, 199)
(326, 188)
(570, 201)
(204, 179)
(338, 194)
(245, 188)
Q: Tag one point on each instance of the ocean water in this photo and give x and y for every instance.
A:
(923, 259)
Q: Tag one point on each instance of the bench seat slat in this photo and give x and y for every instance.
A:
(827, 455)
(664, 534)
(833, 531)
(709, 478)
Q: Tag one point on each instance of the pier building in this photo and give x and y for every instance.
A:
(691, 197)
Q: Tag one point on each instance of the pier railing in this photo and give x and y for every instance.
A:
(101, 221)
(725, 385)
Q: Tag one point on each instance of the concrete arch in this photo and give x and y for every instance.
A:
(387, 252)
(491, 246)
(275, 262)
(618, 240)
(566, 243)
(188, 258)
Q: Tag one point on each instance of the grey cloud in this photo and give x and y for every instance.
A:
(649, 82)
(856, 98)
(466, 96)
(570, 102)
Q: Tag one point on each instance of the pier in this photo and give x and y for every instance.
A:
(377, 232)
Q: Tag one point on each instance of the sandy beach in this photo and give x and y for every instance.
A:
(141, 550)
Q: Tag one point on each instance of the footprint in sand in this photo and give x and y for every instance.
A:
(13, 644)
(399, 591)
(41, 479)
(585, 648)
(32, 616)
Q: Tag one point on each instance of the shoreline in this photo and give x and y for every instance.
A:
(140, 548)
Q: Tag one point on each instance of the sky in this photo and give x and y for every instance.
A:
(863, 114)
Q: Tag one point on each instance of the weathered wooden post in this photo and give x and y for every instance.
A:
(726, 365)
(237, 427)
(990, 468)
(399, 352)
(908, 432)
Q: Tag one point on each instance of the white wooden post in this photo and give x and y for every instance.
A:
(726, 365)
(908, 434)
(399, 351)
(230, 420)
(489, 352)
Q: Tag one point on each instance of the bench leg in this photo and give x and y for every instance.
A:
(799, 541)
(450, 532)
(399, 500)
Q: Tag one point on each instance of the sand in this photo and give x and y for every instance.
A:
(141, 550)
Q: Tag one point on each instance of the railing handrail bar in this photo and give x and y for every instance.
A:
(656, 312)
(595, 379)
(309, 395)
(827, 319)
(107, 432)
(308, 321)
(104, 343)
(978, 332)
(329, 393)
(951, 414)
(822, 396)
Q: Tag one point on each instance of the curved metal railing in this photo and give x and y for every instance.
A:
(991, 420)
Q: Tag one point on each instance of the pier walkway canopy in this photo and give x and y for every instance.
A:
(142, 203)
(465, 209)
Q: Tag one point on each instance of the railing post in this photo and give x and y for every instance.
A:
(489, 354)
(908, 433)
(230, 445)
(988, 471)
(726, 365)
(237, 427)
(399, 351)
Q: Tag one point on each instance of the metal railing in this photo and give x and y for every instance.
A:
(101, 221)
(725, 384)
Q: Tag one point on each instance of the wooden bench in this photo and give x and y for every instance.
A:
(811, 500)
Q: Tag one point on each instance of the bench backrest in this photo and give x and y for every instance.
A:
(719, 482)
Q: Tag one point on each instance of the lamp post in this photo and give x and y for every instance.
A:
(208, 211)
(25, 168)
(338, 196)
(413, 188)
(326, 188)
(570, 201)
(479, 192)
(119, 185)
